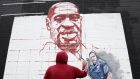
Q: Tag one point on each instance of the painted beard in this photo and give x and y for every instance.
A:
(68, 38)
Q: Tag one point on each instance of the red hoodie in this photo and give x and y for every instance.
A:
(62, 70)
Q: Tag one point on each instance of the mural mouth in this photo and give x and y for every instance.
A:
(68, 37)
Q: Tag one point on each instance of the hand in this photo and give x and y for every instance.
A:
(84, 63)
(109, 76)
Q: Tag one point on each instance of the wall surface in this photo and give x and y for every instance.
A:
(129, 10)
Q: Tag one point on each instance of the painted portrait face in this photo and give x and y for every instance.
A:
(93, 57)
(64, 23)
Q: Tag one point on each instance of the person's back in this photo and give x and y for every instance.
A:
(63, 71)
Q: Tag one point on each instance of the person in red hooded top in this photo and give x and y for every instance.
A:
(64, 71)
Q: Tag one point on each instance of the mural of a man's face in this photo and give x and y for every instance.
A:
(64, 23)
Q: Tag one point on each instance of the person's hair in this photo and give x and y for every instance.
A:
(92, 52)
(54, 6)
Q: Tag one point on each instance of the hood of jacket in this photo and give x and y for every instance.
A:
(62, 57)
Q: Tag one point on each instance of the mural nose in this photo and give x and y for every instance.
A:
(67, 22)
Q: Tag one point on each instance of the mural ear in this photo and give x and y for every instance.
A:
(81, 18)
(48, 23)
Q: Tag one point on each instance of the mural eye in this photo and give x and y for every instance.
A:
(74, 17)
(59, 18)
